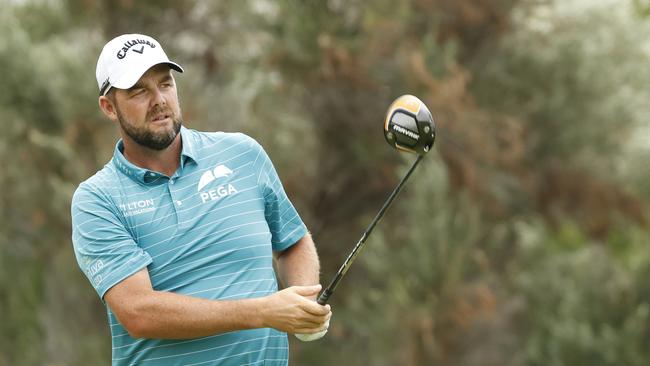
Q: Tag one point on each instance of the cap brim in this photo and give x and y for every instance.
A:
(130, 78)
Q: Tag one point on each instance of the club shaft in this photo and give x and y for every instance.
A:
(329, 290)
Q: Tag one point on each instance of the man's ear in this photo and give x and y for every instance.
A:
(108, 107)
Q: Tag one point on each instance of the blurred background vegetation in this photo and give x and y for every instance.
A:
(521, 240)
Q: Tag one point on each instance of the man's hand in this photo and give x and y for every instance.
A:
(292, 310)
(313, 336)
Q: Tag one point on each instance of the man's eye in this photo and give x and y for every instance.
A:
(167, 85)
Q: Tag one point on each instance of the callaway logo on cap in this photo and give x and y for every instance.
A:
(125, 58)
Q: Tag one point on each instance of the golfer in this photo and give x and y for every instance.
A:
(178, 232)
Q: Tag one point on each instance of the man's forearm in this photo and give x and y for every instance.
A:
(299, 265)
(165, 315)
(146, 313)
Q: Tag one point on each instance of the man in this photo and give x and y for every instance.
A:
(177, 233)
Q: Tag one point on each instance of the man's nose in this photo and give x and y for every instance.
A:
(157, 97)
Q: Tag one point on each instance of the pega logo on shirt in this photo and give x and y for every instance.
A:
(211, 175)
(216, 193)
(220, 191)
(137, 207)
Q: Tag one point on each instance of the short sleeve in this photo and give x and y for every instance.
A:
(106, 252)
(284, 222)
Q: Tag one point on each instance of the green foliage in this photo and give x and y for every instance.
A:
(39, 165)
(641, 7)
(574, 76)
(582, 304)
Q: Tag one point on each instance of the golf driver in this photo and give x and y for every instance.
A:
(409, 127)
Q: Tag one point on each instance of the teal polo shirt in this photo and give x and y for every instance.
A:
(207, 231)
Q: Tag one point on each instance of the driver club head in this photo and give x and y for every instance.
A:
(409, 125)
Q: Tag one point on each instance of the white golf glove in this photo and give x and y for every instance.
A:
(314, 336)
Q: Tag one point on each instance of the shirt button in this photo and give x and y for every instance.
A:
(179, 203)
(171, 181)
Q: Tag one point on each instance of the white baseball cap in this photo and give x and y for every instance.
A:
(125, 58)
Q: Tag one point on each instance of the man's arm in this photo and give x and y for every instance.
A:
(146, 313)
(298, 265)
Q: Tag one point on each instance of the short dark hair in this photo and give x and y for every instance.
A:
(111, 95)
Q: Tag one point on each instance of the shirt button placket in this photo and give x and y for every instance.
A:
(177, 202)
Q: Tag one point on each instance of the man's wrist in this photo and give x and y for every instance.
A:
(257, 313)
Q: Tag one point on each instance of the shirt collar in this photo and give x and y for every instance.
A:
(188, 146)
(147, 176)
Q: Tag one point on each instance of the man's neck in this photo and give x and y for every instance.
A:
(164, 161)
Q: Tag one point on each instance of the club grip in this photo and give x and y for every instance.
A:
(324, 296)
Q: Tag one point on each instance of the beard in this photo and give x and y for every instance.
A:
(147, 138)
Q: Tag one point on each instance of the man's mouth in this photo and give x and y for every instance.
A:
(160, 117)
